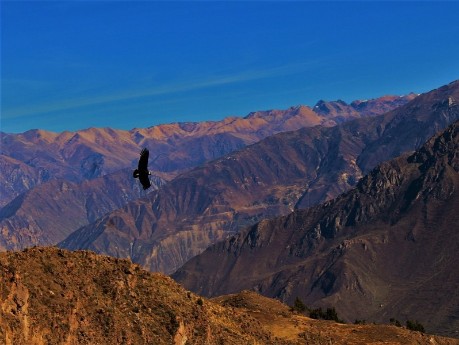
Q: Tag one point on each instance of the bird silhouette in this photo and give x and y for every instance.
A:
(142, 169)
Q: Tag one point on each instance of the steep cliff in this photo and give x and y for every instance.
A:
(384, 249)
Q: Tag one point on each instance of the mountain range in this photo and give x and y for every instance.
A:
(36, 156)
(285, 171)
(53, 296)
(328, 203)
(387, 248)
(73, 177)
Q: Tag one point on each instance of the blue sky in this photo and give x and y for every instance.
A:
(79, 64)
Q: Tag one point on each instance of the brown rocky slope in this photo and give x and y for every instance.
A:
(266, 179)
(385, 249)
(52, 296)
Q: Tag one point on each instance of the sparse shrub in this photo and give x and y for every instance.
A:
(316, 313)
(173, 324)
(360, 322)
(395, 322)
(298, 306)
(414, 326)
(329, 314)
(48, 268)
(200, 302)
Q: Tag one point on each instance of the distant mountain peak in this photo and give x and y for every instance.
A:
(329, 107)
(339, 109)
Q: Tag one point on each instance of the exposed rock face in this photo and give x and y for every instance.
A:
(18, 177)
(33, 157)
(272, 177)
(384, 249)
(52, 296)
(50, 212)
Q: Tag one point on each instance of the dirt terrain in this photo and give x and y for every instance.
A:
(54, 296)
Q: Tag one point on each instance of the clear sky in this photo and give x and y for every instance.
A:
(79, 64)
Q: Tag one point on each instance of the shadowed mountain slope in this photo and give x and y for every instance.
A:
(36, 156)
(52, 296)
(18, 177)
(48, 213)
(387, 248)
(270, 178)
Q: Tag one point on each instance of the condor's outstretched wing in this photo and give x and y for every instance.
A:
(143, 161)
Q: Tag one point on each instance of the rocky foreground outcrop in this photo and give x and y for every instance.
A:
(53, 296)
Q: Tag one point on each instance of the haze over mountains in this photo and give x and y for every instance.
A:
(387, 248)
(266, 179)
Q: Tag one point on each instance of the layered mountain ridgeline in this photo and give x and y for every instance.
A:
(340, 110)
(48, 213)
(52, 296)
(269, 178)
(386, 249)
(36, 156)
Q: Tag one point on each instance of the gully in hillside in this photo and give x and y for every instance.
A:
(142, 169)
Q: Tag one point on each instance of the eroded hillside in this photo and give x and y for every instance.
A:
(53, 296)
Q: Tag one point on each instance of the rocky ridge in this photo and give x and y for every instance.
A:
(384, 249)
(52, 296)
